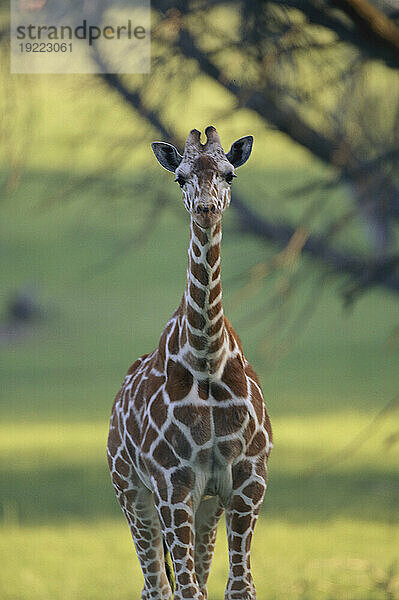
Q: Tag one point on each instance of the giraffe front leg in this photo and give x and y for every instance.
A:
(177, 521)
(137, 503)
(206, 520)
(241, 516)
(146, 533)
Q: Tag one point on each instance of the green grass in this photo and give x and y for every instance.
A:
(329, 526)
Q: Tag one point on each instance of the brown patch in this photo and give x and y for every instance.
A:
(133, 428)
(164, 456)
(195, 318)
(228, 419)
(138, 395)
(150, 436)
(234, 377)
(179, 494)
(166, 515)
(236, 558)
(230, 449)
(162, 488)
(215, 310)
(186, 414)
(158, 410)
(216, 345)
(240, 505)
(238, 570)
(203, 389)
(201, 432)
(125, 455)
(162, 342)
(173, 343)
(214, 293)
(118, 482)
(213, 329)
(199, 272)
(196, 250)
(204, 456)
(200, 234)
(238, 585)
(143, 544)
(183, 477)
(255, 491)
(184, 578)
(257, 402)
(114, 438)
(151, 554)
(180, 516)
(219, 393)
(249, 430)
(189, 592)
(197, 294)
(198, 418)
(154, 567)
(130, 447)
(213, 254)
(241, 524)
(183, 337)
(257, 445)
(216, 274)
(179, 382)
(196, 341)
(184, 534)
(178, 441)
(136, 383)
(241, 472)
(122, 467)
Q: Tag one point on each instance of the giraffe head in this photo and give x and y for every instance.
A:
(204, 172)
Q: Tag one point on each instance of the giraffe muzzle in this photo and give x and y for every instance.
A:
(207, 215)
(206, 208)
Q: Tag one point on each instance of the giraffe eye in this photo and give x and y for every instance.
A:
(229, 177)
(180, 180)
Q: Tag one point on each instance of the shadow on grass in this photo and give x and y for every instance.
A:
(57, 493)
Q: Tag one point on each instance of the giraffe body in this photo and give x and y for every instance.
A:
(189, 434)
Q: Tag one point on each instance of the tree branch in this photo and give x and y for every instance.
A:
(367, 273)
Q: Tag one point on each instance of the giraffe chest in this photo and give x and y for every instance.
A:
(174, 422)
(206, 436)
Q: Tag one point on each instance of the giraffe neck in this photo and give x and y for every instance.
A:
(203, 323)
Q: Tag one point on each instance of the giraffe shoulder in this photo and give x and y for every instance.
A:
(258, 401)
(133, 368)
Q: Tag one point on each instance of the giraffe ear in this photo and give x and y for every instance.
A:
(167, 155)
(240, 151)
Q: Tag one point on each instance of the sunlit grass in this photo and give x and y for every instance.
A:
(338, 559)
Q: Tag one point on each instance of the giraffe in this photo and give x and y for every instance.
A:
(189, 433)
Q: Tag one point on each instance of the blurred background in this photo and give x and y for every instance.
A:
(93, 238)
